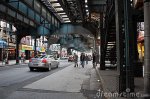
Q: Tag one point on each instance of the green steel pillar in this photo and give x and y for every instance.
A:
(17, 46)
(128, 45)
(102, 39)
(120, 46)
(35, 52)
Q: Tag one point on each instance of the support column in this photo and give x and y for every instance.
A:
(120, 46)
(35, 52)
(147, 48)
(17, 47)
(128, 45)
(102, 60)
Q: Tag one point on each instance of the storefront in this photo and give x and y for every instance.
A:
(12, 51)
(3, 46)
(141, 45)
(27, 50)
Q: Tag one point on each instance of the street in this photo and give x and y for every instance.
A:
(65, 82)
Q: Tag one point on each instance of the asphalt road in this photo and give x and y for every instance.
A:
(64, 82)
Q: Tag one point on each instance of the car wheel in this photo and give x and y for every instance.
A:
(31, 69)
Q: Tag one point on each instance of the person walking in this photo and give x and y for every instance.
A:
(22, 58)
(82, 59)
(86, 59)
(94, 60)
(5, 58)
(75, 60)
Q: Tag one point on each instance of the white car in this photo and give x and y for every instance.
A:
(43, 62)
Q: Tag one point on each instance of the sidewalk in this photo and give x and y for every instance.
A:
(109, 82)
(11, 63)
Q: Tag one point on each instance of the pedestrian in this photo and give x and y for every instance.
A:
(22, 58)
(94, 60)
(86, 59)
(75, 60)
(82, 59)
(5, 57)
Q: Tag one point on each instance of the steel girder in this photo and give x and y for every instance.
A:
(24, 12)
(75, 34)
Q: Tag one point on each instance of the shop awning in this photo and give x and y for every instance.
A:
(3, 44)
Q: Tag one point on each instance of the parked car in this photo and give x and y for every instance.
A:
(70, 58)
(43, 62)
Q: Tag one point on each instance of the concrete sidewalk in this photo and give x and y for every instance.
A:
(110, 83)
(11, 63)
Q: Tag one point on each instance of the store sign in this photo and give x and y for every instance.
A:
(42, 49)
(26, 47)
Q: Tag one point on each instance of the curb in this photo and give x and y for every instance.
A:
(7, 64)
(102, 82)
(11, 65)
